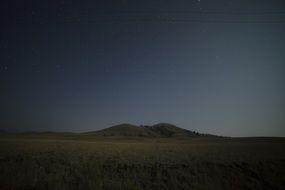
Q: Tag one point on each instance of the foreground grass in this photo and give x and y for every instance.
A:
(118, 163)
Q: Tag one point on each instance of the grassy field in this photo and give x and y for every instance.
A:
(70, 161)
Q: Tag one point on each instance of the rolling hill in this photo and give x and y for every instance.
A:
(158, 130)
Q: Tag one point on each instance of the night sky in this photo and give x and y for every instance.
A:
(210, 66)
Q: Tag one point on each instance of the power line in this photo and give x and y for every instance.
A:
(170, 16)
(172, 12)
(175, 20)
(192, 12)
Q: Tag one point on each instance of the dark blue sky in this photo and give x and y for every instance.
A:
(210, 66)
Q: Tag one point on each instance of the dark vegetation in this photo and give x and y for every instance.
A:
(158, 130)
(159, 157)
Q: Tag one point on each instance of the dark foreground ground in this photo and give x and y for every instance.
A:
(69, 162)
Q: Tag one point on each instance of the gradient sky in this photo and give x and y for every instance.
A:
(210, 66)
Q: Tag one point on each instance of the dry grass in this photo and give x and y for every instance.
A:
(54, 162)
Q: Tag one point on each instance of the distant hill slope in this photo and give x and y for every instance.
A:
(158, 130)
(124, 130)
(169, 130)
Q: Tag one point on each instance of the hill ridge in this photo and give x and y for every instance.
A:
(157, 130)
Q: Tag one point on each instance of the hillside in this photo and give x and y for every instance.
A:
(124, 130)
(158, 130)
